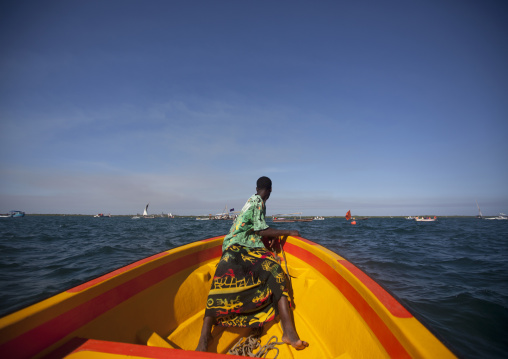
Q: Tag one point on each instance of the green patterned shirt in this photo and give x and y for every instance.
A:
(250, 220)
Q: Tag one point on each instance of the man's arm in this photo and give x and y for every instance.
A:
(271, 238)
(272, 232)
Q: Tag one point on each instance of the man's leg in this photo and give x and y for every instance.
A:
(289, 334)
(206, 334)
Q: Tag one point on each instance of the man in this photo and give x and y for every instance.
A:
(249, 287)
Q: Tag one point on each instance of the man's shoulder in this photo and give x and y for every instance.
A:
(253, 200)
(256, 198)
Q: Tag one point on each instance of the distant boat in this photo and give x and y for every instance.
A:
(501, 216)
(101, 215)
(479, 216)
(319, 218)
(296, 217)
(12, 214)
(427, 219)
(17, 214)
(225, 214)
(145, 212)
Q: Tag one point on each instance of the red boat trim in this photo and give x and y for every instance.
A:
(77, 345)
(385, 336)
(119, 271)
(127, 268)
(48, 333)
(307, 241)
(212, 239)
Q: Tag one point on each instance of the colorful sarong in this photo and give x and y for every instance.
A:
(246, 288)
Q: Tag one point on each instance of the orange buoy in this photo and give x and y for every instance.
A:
(353, 222)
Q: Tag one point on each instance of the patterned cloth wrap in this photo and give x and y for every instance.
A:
(246, 288)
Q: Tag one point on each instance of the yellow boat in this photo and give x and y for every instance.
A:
(154, 308)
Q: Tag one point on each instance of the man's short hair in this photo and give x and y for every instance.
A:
(264, 183)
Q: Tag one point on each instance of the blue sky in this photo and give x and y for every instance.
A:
(381, 107)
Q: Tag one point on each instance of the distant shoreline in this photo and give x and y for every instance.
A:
(194, 216)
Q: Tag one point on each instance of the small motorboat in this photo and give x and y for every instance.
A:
(102, 215)
(501, 216)
(154, 308)
(425, 219)
(13, 214)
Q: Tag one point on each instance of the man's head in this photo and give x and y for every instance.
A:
(264, 187)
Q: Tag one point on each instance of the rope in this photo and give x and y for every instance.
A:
(263, 351)
(246, 346)
(287, 270)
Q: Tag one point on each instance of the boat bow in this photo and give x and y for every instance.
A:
(154, 308)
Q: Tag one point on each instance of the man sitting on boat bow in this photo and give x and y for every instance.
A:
(249, 287)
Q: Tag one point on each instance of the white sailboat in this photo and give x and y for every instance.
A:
(480, 215)
(145, 212)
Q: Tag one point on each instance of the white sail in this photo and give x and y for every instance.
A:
(145, 213)
(479, 211)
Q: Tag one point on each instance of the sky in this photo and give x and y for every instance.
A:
(384, 108)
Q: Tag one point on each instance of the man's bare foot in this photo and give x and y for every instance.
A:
(294, 341)
(203, 343)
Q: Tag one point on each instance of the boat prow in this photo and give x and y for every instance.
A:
(154, 308)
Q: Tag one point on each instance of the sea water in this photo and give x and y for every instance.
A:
(452, 274)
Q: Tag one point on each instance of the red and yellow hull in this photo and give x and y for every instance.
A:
(154, 309)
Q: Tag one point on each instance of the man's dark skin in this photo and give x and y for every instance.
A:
(289, 334)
